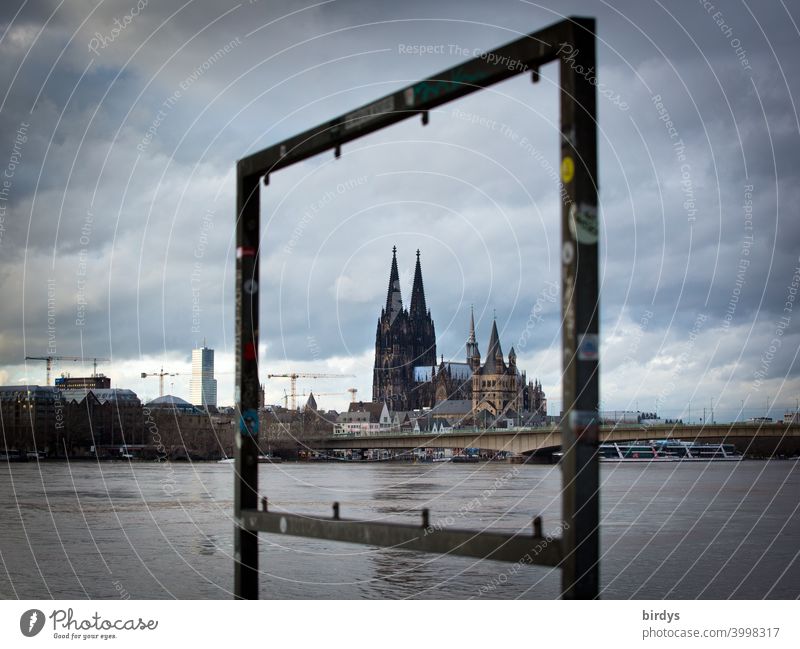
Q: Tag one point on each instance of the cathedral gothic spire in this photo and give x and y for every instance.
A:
(394, 300)
(418, 308)
(472, 340)
(473, 354)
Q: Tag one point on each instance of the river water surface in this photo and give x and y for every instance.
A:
(140, 530)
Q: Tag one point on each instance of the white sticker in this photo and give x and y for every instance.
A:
(583, 223)
(567, 252)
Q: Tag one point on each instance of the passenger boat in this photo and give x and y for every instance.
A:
(464, 458)
(262, 459)
(670, 450)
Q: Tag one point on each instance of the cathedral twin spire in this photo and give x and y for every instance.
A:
(394, 298)
(404, 339)
(405, 374)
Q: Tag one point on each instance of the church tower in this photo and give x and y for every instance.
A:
(423, 331)
(495, 384)
(473, 354)
(403, 339)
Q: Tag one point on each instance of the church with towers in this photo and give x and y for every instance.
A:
(407, 375)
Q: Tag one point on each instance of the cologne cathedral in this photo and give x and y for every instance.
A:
(407, 375)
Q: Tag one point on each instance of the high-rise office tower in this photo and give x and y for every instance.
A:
(203, 386)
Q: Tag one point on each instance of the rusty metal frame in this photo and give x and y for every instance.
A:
(533, 549)
(572, 43)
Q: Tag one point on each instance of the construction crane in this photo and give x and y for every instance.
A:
(293, 376)
(49, 361)
(303, 394)
(352, 392)
(160, 376)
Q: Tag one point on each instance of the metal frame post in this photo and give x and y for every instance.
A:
(579, 310)
(247, 385)
(572, 43)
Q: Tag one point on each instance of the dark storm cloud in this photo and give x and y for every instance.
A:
(141, 135)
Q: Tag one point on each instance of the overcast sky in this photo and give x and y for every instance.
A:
(122, 123)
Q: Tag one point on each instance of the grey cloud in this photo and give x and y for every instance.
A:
(482, 232)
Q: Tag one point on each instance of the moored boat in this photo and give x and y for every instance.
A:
(671, 450)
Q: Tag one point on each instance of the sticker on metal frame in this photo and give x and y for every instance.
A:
(588, 347)
(248, 423)
(583, 223)
(585, 425)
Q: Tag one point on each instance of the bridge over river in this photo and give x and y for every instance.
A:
(759, 439)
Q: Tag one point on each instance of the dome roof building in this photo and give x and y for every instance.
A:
(171, 401)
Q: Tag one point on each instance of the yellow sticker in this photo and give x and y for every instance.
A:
(567, 169)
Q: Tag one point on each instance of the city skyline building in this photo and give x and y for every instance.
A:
(203, 385)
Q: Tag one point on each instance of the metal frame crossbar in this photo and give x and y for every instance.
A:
(572, 43)
(515, 548)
